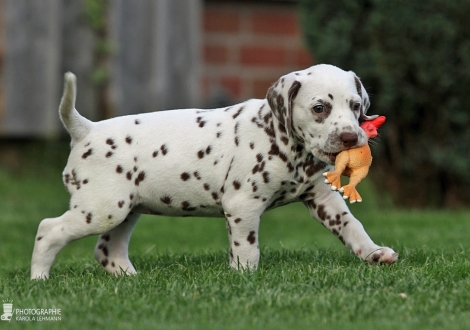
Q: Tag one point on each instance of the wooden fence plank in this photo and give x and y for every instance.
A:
(32, 76)
(159, 67)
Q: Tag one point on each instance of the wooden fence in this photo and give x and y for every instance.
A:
(146, 58)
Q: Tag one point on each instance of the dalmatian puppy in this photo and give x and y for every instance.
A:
(234, 162)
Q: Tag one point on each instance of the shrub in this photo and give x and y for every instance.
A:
(414, 59)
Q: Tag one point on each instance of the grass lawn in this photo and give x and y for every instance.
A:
(306, 278)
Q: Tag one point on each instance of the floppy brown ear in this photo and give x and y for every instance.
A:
(365, 99)
(281, 98)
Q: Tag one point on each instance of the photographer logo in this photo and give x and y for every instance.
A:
(7, 310)
(29, 314)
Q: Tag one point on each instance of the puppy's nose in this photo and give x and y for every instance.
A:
(349, 139)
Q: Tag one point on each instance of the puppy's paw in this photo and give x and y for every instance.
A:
(381, 255)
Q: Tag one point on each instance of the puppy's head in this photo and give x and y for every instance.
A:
(321, 107)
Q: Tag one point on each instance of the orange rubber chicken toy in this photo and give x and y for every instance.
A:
(354, 163)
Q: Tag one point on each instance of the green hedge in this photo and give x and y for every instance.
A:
(414, 59)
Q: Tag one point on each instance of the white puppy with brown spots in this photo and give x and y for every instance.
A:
(233, 162)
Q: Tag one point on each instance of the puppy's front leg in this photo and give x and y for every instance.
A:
(331, 211)
(242, 218)
(242, 230)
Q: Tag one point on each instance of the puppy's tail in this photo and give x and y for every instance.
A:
(78, 126)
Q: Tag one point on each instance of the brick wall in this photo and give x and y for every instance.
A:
(248, 46)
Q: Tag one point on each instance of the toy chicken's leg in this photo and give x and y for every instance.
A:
(349, 190)
(334, 178)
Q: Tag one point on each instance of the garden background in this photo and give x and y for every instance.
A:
(412, 57)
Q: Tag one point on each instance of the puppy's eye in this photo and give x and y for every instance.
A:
(318, 108)
(356, 106)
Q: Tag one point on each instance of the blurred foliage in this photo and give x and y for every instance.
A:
(96, 12)
(96, 16)
(39, 158)
(414, 59)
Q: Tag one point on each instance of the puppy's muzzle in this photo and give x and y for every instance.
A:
(348, 139)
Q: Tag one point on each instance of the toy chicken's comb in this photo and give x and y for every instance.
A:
(371, 126)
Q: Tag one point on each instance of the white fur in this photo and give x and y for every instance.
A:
(232, 162)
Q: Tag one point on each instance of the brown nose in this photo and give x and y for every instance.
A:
(349, 139)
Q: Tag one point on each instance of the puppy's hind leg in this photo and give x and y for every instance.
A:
(55, 233)
(111, 250)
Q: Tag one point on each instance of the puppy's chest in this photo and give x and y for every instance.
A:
(299, 184)
(305, 167)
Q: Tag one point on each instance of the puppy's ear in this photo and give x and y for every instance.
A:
(365, 99)
(281, 98)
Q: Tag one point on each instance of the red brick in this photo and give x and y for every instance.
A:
(261, 86)
(275, 23)
(215, 54)
(303, 58)
(221, 21)
(262, 56)
(232, 84)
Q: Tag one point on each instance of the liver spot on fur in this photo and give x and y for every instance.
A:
(140, 178)
(251, 237)
(187, 206)
(266, 177)
(87, 153)
(238, 112)
(166, 200)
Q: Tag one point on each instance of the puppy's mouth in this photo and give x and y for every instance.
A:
(330, 155)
